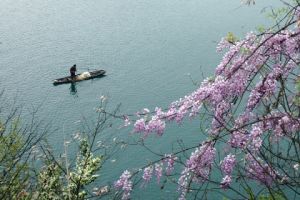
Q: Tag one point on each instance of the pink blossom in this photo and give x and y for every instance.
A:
(183, 183)
(264, 88)
(239, 139)
(140, 125)
(256, 131)
(223, 44)
(158, 171)
(159, 113)
(124, 183)
(201, 161)
(156, 125)
(256, 143)
(148, 171)
(170, 162)
(228, 164)
(243, 119)
(199, 164)
(257, 170)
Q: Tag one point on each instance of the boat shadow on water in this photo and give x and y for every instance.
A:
(73, 89)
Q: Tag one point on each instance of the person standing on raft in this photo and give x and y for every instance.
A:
(73, 71)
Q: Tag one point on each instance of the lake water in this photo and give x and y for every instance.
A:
(148, 48)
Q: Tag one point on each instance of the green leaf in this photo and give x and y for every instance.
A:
(231, 38)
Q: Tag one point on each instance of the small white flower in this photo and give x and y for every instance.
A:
(103, 98)
(284, 179)
(146, 110)
(77, 136)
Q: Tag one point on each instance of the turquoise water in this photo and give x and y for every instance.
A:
(148, 48)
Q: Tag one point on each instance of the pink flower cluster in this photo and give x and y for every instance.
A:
(125, 184)
(154, 125)
(168, 161)
(148, 171)
(158, 171)
(239, 139)
(260, 171)
(264, 88)
(281, 124)
(239, 64)
(228, 164)
(252, 71)
(201, 161)
(198, 167)
(255, 136)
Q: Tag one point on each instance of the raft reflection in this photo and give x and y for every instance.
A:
(73, 89)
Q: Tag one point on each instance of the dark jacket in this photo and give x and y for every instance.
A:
(73, 69)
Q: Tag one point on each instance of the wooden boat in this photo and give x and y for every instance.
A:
(79, 77)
